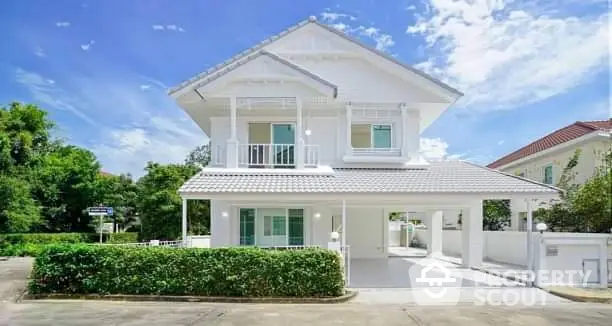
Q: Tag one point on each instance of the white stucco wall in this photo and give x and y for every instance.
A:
(504, 247)
(590, 158)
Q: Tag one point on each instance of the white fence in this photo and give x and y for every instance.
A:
(505, 247)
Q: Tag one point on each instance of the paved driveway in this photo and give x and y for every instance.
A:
(153, 314)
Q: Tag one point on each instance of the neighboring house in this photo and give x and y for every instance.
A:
(544, 159)
(313, 132)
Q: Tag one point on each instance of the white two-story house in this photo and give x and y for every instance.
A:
(313, 132)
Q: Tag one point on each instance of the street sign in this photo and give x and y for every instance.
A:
(100, 211)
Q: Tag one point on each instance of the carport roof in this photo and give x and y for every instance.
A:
(440, 177)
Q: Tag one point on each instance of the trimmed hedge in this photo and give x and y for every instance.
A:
(247, 272)
(124, 237)
(30, 244)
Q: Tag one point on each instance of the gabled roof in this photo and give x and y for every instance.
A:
(441, 177)
(312, 20)
(565, 134)
(245, 59)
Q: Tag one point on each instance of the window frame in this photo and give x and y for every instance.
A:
(371, 126)
(548, 166)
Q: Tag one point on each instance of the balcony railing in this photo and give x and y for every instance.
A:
(267, 156)
(371, 151)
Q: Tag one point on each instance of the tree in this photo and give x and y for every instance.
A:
(496, 214)
(119, 192)
(160, 205)
(18, 211)
(592, 202)
(64, 185)
(199, 156)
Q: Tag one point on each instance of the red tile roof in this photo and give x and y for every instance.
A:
(567, 133)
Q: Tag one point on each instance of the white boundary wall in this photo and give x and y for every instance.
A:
(505, 247)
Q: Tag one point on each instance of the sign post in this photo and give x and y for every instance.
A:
(100, 211)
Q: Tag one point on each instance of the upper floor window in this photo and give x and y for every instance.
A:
(548, 174)
(371, 135)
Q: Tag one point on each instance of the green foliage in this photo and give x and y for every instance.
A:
(18, 211)
(207, 272)
(584, 208)
(160, 205)
(119, 192)
(199, 156)
(496, 214)
(124, 237)
(30, 244)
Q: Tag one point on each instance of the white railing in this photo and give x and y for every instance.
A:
(293, 247)
(152, 243)
(267, 155)
(311, 156)
(371, 151)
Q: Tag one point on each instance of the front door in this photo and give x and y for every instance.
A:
(272, 227)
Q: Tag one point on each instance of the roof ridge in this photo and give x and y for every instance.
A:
(514, 176)
(577, 123)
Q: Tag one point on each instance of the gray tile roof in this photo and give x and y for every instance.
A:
(312, 20)
(440, 177)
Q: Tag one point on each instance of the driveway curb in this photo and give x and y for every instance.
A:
(184, 298)
(579, 298)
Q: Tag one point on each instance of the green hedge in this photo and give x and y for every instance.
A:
(30, 244)
(124, 237)
(208, 272)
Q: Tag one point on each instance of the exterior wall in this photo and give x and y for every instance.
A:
(590, 158)
(503, 247)
(329, 133)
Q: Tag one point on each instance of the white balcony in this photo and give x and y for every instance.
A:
(268, 156)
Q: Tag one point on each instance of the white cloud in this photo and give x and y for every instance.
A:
(63, 24)
(144, 87)
(169, 27)
(505, 53)
(87, 46)
(435, 149)
(331, 17)
(39, 52)
(383, 41)
(44, 92)
(124, 126)
(500, 142)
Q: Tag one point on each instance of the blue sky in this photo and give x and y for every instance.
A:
(101, 68)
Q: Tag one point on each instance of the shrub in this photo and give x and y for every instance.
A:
(45, 238)
(253, 272)
(124, 237)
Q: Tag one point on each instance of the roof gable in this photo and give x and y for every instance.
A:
(192, 82)
(557, 137)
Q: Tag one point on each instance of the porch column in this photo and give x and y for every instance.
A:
(300, 148)
(515, 221)
(434, 232)
(472, 236)
(232, 142)
(349, 122)
(184, 222)
(405, 133)
(529, 226)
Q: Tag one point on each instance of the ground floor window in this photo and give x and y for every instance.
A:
(271, 227)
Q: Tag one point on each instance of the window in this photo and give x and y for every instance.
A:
(548, 175)
(296, 227)
(371, 136)
(274, 225)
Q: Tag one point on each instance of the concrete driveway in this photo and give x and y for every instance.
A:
(153, 314)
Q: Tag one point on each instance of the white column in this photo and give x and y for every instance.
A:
(434, 232)
(299, 132)
(343, 224)
(184, 222)
(472, 236)
(349, 122)
(232, 142)
(405, 133)
(515, 220)
(603, 264)
(529, 235)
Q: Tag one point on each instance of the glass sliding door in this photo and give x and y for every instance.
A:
(296, 227)
(247, 226)
(283, 144)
